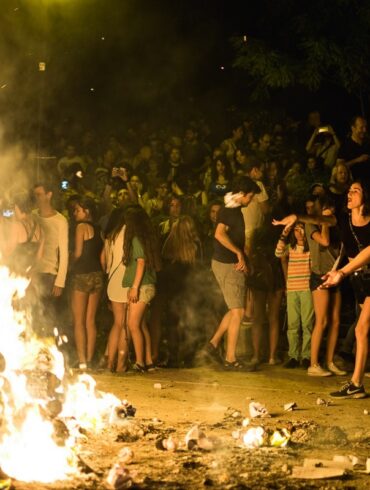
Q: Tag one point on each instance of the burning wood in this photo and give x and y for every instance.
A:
(42, 415)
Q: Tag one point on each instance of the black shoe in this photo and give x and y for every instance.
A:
(350, 390)
(138, 368)
(305, 363)
(213, 353)
(291, 364)
(239, 367)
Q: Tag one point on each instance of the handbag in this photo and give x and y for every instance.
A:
(360, 279)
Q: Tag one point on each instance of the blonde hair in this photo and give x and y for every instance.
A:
(334, 171)
(182, 243)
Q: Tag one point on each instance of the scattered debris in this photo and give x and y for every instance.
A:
(254, 437)
(169, 444)
(125, 456)
(119, 478)
(314, 473)
(280, 438)
(157, 386)
(258, 410)
(122, 411)
(320, 401)
(342, 462)
(289, 407)
(366, 412)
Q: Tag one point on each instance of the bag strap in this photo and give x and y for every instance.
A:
(360, 247)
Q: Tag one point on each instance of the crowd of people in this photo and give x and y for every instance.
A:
(185, 240)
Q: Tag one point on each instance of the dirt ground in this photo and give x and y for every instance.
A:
(218, 402)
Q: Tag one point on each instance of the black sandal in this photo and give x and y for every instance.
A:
(233, 366)
(239, 366)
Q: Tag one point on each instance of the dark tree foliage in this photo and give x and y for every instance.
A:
(306, 44)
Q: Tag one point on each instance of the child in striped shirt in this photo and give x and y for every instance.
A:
(295, 258)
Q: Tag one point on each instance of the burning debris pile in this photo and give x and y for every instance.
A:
(43, 414)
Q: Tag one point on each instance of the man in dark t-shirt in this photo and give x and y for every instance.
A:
(229, 267)
(355, 152)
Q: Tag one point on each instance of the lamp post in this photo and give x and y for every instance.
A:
(41, 69)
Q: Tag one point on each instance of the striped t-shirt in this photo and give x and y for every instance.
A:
(299, 269)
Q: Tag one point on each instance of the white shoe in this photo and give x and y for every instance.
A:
(335, 370)
(317, 370)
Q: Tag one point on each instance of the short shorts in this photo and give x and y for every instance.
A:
(316, 281)
(92, 282)
(146, 293)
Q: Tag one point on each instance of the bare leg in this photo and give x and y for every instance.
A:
(335, 304)
(123, 344)
(259, 304)
(119, 311)
(79, 307)
(92, 307)
(249, 303)
(274, 302)
(155, 323)
(321, 300)
(221, 329)
(236, 316)
(135, 315)
(147, 341)
(362, 333)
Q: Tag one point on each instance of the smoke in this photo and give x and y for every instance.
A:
(107, 61)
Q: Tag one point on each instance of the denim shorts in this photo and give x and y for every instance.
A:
(146, 293)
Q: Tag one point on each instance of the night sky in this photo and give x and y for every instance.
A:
(122, 59)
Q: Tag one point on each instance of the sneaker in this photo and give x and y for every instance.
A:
(317, 370)
(305, 363)
(213, 353)
(350, 390)
(291, 364)
(335, 370)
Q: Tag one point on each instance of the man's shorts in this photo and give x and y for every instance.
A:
(231, 282)
(92, 282)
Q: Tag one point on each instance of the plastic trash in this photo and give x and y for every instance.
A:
(258, 410)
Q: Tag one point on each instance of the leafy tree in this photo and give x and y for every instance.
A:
(307, 44)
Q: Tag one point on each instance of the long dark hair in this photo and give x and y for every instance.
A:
(293, 241)
(228, 170)
(365, 186)
(87, 203)
(115, 224)
(138, 225)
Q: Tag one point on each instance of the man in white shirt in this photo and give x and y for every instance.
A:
(52, 268)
